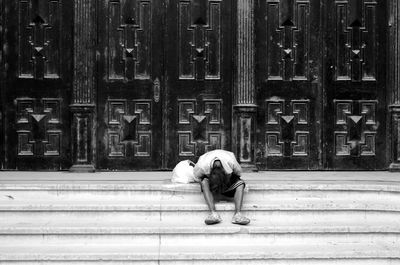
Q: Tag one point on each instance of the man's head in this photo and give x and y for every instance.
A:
(217, 177)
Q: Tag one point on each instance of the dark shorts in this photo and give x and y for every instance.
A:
(233, 184)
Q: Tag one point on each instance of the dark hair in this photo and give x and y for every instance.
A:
(217, 180)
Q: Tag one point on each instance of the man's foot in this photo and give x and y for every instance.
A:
(213, 218)
(239, 219)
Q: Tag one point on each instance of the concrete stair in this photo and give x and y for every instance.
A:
(295, 219)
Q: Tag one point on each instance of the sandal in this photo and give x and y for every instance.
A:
(213, 218)
(239, 219)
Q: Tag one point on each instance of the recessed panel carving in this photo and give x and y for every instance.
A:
(288, 40)
(25, 145)
(39, 38)
(355, 40)
(200, 34)
(301, 144)
(38, 126)
(274, 110)
(355, 127)
(200, 126)
(129, 39)
(245, 139)
(273, 144)
(129, 128)
(214, 142)
(115, 148)
(287, 127)
(186, 146)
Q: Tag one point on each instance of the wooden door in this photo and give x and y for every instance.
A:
(38, 67)
(130, 90)
(355, 84)
(288, 60)
(199, 67)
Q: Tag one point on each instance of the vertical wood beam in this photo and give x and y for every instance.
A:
(245, 106)
(394, 83)
(83, 98)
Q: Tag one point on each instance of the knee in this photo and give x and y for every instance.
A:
(241, 187)
(205, 183)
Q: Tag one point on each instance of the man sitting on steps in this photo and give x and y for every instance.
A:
(218, 172)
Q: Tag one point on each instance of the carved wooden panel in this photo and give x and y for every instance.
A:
(287, 128)
(129, 128)
(355, 127)
(355, 40)
(288, 40)
(200, 126)
(39, 38)
(129, 39)
(246, 131)
(200, 39)
(38, 125)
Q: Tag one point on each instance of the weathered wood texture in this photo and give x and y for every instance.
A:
(37, 50)
(83, 97)
(2, 78)
(130, 79)
(143, 84)
(289, 97)
(245, 78)
(321, 71)
(84, 52)
(199, 73)
(355, 85)
(245, 104)
(394, 83)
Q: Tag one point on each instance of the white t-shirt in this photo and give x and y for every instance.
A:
(206, 161)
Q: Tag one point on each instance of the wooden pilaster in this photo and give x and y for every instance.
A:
(244, 95)
(394, 83)
(83, 98)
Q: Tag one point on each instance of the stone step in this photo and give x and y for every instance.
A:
(277, 221)
(245, 261)
(315, 221)
(278, 204)
(274, 251)
(262, 212)
(241, 237)
(180, 192)
(218, 236)
(274, 222)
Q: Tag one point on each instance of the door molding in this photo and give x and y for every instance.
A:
(245, 107)
(83, 105)
(394, 84)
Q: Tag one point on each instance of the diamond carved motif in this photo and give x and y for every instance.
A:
(129, 128)
(288, 44)
(129, 39)
(200, 126)
(199, 39)
(355, 40)
(287, 127)
(354, 134)
(39, 33)
(38, 127)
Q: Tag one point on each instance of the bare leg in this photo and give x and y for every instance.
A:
(238, 218)
(205, 184)
(214, 217)
(239, 198)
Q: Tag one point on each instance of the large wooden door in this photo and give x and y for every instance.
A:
(321, 70)
(355, 84)
(130, 84)
(288, 59)
(38, 68)
(199, 78)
